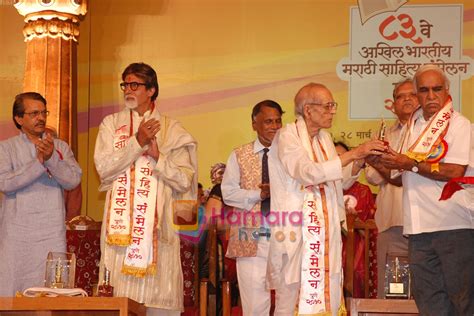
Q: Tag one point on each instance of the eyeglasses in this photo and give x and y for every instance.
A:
(133, 85)
(329, 106)
(403, 96)
(35, 114)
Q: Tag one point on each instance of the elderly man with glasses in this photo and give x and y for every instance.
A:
(146, 163)
(307, 176)
(34, 171)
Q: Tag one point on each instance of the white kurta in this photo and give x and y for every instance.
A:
(32, 210)
(176, 171)
(290, 168)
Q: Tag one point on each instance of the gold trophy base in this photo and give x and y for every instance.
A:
(57, 285)
(397, 290)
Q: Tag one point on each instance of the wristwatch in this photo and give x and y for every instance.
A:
(415, 167)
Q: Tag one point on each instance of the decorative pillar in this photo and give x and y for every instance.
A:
(51, 34)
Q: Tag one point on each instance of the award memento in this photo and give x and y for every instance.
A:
(58, 280)
(397, 277)
(105, 289)
(60, 270)
(382, 131)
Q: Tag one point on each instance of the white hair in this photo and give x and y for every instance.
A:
(307, 94)
(430, 67)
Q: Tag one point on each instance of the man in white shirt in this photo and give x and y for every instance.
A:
(389, 215)
(245, 188)
(146, 163)
(306, 174)
(441, 233)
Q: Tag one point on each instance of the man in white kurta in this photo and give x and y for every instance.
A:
(170, 155)
(304, 163)
(35, 169)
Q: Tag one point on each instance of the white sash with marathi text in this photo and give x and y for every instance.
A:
(432, 136)
(134, 227)
(314, 289)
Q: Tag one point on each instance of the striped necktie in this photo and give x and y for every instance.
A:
(265, 204)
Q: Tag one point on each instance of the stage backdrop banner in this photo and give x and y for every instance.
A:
(391, 46)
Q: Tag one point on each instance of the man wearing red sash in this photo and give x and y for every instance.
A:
(146, 163)
(306, 175)
(441, 233)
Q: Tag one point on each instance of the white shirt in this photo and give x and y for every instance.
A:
(389, 199)
(423, 210)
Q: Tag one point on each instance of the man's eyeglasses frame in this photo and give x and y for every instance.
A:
(328, 106)
(35, 114)
(133, 85)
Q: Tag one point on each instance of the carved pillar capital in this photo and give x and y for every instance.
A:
(51, 18)
(51, 33)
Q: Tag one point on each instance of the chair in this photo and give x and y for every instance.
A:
(225, 286)
(366, 305)
(83, 239)
(227, 308)
(194, 304)
(203, 297)
(226, 305)
(354, 224)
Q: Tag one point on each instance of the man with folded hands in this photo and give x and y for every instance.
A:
(35, 169)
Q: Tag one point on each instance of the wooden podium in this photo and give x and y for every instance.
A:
(70, 306)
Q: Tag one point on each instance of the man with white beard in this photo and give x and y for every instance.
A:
(146, 162)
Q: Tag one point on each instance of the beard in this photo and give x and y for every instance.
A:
(131, 102)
